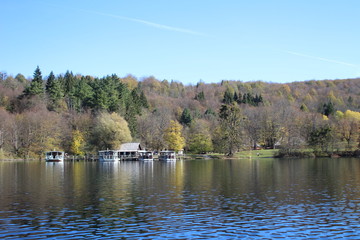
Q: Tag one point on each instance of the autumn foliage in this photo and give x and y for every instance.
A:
(83, 114)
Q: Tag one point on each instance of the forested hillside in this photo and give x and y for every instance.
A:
(82, 114)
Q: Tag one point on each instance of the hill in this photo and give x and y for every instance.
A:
(66, 111)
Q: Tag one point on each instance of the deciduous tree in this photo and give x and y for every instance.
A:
(173, 136)
(111, 131)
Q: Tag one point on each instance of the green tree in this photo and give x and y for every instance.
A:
(230, 128)
(200, 143)
(186, 117)
(83, 94)
(320, 138)
(228, 97)
(36, 86)
(328, 108)
(235, 97)
(54, 91)
(143, 100)
(173, 136)
(110, 131)
(50, 82)
(200, 96)
(304, 108)
(69, 82)
(21, 78)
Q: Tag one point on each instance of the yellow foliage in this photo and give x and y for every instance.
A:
(308, 98)
(173, 136)
(286, 89)
(130, 81)
(352, 115)
(77, 143)
(339, 115)
(334, 99)
(325, 118)
(111, 131)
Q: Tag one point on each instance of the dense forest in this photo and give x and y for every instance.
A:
(83, 114)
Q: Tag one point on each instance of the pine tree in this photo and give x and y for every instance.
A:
(239, 98)
(69, 82)
(54, 91)
(328, 108)
(200, 96)
(228, 97)
(186, 117)
(36, 86)
(230, 131)
(50, 82)
(235, 98)
(37, 75)
(304, 108)
(143, 100)
(83, 94)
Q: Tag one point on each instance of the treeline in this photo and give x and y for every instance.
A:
(82, 114)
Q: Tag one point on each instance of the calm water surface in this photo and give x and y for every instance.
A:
(226, 199)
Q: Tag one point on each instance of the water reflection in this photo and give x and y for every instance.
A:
(268, 198)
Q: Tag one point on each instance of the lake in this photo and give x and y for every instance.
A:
(188, 199)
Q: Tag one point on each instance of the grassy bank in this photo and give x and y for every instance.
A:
(268, 153)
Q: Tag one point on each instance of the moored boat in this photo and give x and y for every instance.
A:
(109, 155)
(54, 156)
(145, 155)
(167, 156)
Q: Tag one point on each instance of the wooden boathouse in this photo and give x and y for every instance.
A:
(130, 151)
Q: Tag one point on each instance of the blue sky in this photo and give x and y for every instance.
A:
(186, 41)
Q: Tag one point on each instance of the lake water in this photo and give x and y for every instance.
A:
(188, 199)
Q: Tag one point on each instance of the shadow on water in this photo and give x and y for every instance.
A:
(184, 199)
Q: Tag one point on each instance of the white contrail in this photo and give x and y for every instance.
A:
(151, 24)
(322, 59)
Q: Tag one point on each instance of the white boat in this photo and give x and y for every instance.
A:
(145, 155)
(109, 155)
(167, 156)
(54, 156)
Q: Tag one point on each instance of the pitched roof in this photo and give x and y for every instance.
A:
(130, 146)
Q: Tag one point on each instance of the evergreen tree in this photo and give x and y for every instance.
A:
(239, 98)
(50, 82)
(249, 99)
(320, 138)
(54, 91)
(230, 129)
(209, 111)
(228, 97)
(304, 108)
(36, 86)
(235, 98)
(328, 108)
(69, 82)
(37, 75)
(136, 101)
(143, 100)
(200, 96)
(83, 94)
(186, 117)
